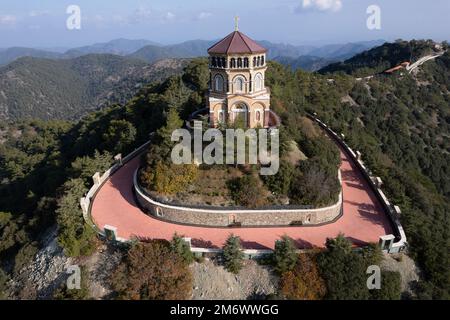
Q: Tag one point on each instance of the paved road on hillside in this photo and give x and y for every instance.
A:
(363, 219)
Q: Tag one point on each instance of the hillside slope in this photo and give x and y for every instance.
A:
(68, 89)
(383, 57)
(307, 63)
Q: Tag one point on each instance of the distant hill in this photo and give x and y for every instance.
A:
(285, 50)
(198, 48)
(188, 49)
(120, 47)
(307, 63)
(69, 88)
(382, 57)
(150, 51)
(11, 54)
(344, 51)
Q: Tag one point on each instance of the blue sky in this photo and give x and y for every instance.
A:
(43, 23)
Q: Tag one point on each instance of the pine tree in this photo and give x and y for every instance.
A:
(232, 254)
(343, 270)
(285, 255)
(180, 247)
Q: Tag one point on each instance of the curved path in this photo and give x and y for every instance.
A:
(363, 218)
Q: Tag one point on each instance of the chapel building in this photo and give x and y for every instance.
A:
(237, 91)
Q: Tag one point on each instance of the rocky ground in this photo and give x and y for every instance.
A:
(100, 267)
(214, 282)
(407, 268)
(46, 272)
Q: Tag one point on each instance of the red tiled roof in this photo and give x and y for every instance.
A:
(236, 42)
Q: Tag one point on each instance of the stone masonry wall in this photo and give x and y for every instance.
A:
(224, 218)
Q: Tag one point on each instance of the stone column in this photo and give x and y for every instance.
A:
(110, 232)
(266, 118)
(118, 158)
(378, 182)
(96, 178)
(386, 242)
(358, 155)
(212, 119)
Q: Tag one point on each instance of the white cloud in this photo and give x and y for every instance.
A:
(8, 20)
(98, 18)
(319, 5)
(141, 14)
(117, 18)
(169, 16)
(204, 15)
(36, 13)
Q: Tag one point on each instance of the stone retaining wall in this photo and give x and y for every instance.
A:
(99, 180)
(375, 183)
(389, 243)
(234, 216)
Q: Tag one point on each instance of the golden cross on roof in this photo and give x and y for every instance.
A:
(236, 23)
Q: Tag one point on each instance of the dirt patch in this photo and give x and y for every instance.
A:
(348, 99)
(212, 281)
(295, 154)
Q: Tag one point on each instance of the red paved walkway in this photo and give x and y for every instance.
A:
(363, 220)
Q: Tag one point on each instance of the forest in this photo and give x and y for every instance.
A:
(400, 123)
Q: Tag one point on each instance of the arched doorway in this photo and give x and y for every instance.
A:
(240, 114)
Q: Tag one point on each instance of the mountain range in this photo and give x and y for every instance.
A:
(35, 83)
(151, 51)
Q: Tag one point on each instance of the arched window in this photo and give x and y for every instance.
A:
(233, 62)
(258, 61)
(258, 115)
(224, 62)
(213, 62)
(239, 63)
(245, 62)
(218, 83)
(262, 60)
(259, 83)
(239, 84)
(221, 116)
(254, 61)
